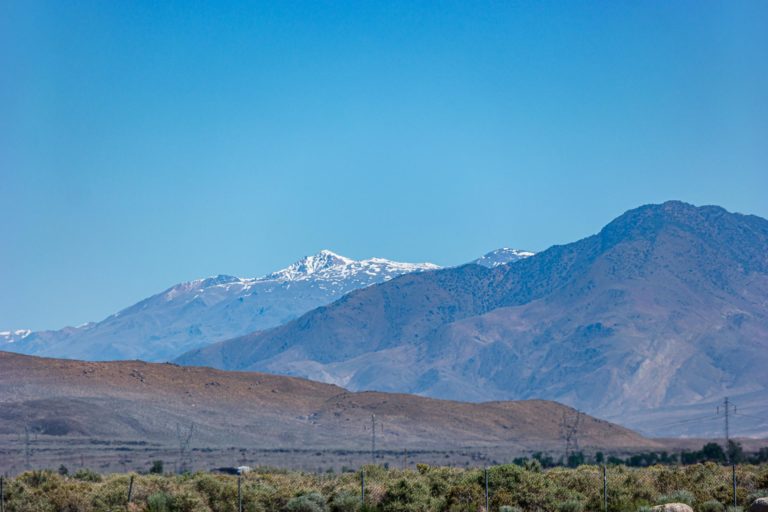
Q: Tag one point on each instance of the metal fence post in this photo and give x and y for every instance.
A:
(362, 488)
(239, 493)
(605, 488)
(487, 508)
(734, 485)
(130, 490)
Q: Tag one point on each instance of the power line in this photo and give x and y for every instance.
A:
(688, 420)
(750, 416)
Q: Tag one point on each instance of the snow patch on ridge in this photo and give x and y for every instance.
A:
(502, 257)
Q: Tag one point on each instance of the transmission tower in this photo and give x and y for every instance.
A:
(569, 433)
(728, 408)
(185, 438)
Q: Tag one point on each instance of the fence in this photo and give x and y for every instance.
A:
(498, 488)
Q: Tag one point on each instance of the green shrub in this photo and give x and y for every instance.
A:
(405, 495)
(39, 478)
(159, 502)
(464, 497)
(311, 502)
(678, 496)
(509, 508)
(87, 475)
(570, 506)
(711, 506)
(345, 501)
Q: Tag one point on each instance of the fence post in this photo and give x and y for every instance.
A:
(487, 508)
(734, 485)
(130, 490)
(239, 493)
(362, 488)
(605, 488)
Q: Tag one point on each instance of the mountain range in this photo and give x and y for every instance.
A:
(196, 313)
(651, 321)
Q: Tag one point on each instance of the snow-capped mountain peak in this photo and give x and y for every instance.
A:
(502, 257)
(328, 266)
(310, 265)
(14, 336)
(195, 313)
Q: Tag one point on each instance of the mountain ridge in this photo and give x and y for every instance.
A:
(663, 307)
(195, 313)
(219, 307)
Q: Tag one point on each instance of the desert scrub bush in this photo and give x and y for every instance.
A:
(159, 502)
(570, 506)
(345, 501)
(40, 478)
(464, 497)
(439, 480)
(112, 493)
(711, 506)
(87, 475)
(406, 495)
(678, 496)
(759, 493)
(73, 496)
(310, 502)
(218, 492)
(434, 489)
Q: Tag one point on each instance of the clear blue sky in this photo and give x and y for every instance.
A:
(147, 143)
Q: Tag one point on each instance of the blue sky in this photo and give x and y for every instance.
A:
(147, 143)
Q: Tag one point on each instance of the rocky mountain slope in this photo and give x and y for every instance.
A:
(652, 321)
(134, 400)
(196, 313)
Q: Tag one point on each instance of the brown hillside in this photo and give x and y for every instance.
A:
(144, 401)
